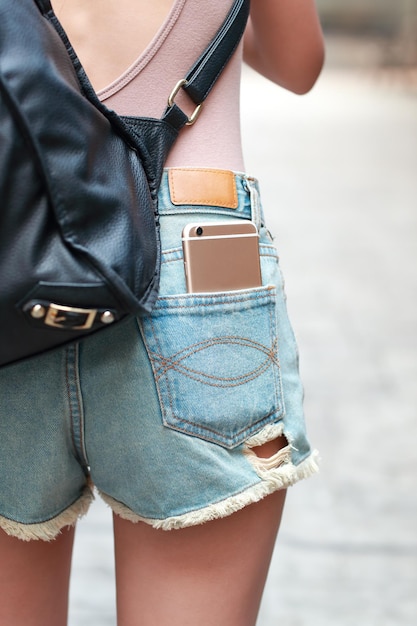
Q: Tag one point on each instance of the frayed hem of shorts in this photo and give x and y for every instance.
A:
(50, 529)
(273, 480)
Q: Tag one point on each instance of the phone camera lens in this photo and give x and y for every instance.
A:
(199, 231)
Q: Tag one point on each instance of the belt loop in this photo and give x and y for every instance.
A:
(255, 202)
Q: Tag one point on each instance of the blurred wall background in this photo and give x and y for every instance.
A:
(393, 23)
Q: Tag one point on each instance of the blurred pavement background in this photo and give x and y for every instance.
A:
(338, 172)
(341, 196)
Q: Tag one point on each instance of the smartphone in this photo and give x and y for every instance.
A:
(221, 256)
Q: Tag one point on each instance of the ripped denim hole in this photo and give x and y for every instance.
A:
(269, 455)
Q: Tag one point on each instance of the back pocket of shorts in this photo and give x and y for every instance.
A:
(215, 362)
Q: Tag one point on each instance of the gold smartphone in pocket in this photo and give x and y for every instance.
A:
(221, 256)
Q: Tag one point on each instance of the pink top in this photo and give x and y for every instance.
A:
(214, 140)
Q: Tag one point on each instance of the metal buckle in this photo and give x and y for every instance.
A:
(69, 317)
(194, 115)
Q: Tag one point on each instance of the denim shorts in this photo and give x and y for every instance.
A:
(160, 414)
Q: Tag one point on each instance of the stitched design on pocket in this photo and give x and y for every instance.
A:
(178, 362)
(215, 362)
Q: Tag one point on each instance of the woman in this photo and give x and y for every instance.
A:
(103, 413)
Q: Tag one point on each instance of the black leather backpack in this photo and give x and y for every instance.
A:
(79, 242)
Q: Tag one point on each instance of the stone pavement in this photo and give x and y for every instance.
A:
(338, 171)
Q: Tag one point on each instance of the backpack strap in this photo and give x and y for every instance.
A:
(44, 5)
(204, 73)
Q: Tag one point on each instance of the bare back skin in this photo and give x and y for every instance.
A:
(108, 36)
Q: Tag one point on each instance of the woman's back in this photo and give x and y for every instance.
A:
(135, 63)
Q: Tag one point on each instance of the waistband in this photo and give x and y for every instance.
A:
(205, 190)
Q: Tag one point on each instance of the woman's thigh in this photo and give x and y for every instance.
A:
(34, 580)
(211, 574)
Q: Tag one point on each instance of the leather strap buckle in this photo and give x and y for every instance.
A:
(69, 318)
(171, 101)
(66, 317)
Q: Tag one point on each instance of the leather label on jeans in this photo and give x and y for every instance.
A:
(208, 187)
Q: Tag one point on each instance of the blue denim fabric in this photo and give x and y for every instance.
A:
(159, 413)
